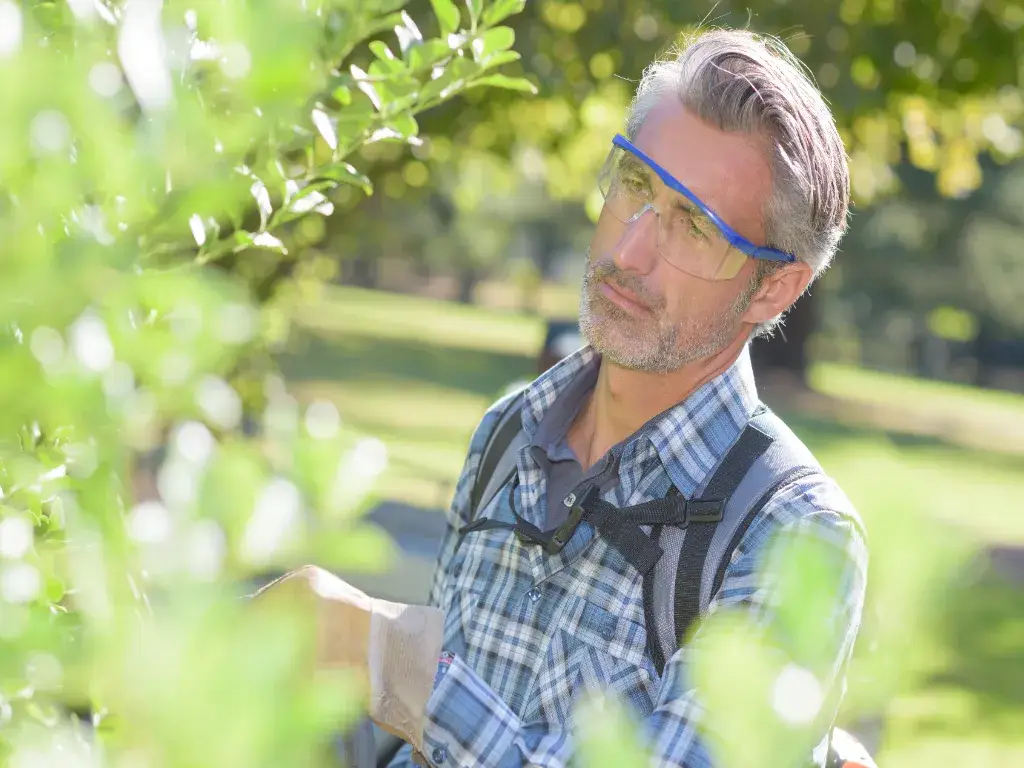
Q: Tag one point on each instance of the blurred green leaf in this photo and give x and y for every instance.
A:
(504, 81)
(343, 94)
(404, 126)
(499, 10)
(607, 734)
(386, 63)
(347, 174)
(408, 34)
(428, 54)
(360, 547)
(447, 15)
(492, 42)
(475, 7)
(160, 185)
(497, 59)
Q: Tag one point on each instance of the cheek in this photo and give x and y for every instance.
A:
(692, 300)
(607, 233)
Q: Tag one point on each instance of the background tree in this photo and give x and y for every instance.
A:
(932, 87)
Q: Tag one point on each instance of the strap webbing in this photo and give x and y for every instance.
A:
(653, 646)
(501, 438)
(747, 449)
(741, 530)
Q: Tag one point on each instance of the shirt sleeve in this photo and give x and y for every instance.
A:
(469, 724)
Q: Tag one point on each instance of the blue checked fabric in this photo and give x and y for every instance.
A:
(531, 632)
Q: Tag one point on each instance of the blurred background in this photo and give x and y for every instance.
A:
(306, 322)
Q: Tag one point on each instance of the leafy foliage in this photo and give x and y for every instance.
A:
(161, 165)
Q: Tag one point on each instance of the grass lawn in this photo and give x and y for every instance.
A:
(418, 374)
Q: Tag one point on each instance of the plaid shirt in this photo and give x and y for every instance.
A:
(528, 632)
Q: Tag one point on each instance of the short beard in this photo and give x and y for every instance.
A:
(652, 344)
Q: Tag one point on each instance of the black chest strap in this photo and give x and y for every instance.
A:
(620, 527)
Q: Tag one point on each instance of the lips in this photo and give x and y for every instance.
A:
(623, 299)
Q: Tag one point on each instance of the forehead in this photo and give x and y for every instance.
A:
(728, 171)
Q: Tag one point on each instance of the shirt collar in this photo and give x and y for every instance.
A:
(689, 439)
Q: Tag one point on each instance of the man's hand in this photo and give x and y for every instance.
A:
(395, 646)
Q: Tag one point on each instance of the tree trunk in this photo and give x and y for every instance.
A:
(360, 271)
(468, 279)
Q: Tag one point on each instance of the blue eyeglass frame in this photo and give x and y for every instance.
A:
(735, 239)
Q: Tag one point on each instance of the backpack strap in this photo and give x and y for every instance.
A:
(765, 457)
(498, 460)
(697, 541)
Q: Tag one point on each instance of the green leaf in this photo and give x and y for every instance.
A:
(404, 127)
(362, 548)
(242, 238)
(54, 589)
(463, 66)
(607, 736)
(376, 26)
(502, 9)
(475, 7)
(427, 55)
(381, 51)
(269, 242)
(308, 199)
(448, 16)
(408, 34)
(504, 57)
(347, 174)
(364, 85)
(343, 95)
(382, 6)
(386, 62)
(493, 41)
(381, 72)
(456, 76)
(504, 81)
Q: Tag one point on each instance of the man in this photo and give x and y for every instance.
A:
(726, 197)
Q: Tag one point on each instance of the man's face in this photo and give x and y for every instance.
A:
(637, 310)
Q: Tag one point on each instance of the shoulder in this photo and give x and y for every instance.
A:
(495, 414)
(811, 503)
(809, 513)
(511, 399)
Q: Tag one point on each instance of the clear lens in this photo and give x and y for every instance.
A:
(687, 239)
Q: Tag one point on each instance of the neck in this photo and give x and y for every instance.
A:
(624, 400)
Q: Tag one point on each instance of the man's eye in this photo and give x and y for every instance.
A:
(634, 185)
(694, 224)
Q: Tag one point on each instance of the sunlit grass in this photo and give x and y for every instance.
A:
(872, 386)
(389, 316)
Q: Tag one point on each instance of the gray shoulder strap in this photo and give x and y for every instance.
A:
(498, 460)
(784, 461)
(765, 457)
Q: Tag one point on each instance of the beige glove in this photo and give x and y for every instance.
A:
(397, 646)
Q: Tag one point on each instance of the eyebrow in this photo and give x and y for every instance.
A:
(680, 202)
(633, 165)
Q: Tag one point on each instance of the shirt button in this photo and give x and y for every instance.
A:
(570, 500)
(534, 595)
(439, 755)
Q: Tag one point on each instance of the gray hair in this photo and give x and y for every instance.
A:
(740, 81)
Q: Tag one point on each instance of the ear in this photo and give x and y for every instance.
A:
(778, 291)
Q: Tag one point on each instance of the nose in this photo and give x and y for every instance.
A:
(637, 249)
